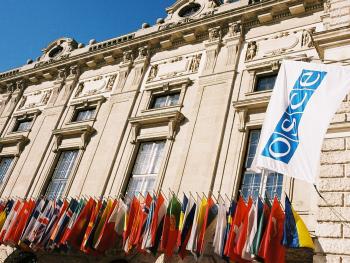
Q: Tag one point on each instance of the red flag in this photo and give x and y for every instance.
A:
(10, 219)
(158, 215)
(271, 248)
(19, 223)
(171, 227)
(108, 235)
(236, 227)
(94, 214)
(131, 219)
(242, 237)
(143, 218)
(77, 232)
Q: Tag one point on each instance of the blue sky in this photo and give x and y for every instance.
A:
(27, 26)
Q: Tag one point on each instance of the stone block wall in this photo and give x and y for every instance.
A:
(333, 216)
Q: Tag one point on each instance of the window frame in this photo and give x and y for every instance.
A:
(20, 116)
(132, 164)
(52, 167)
(259, 77)
(81, 109)
(153, 90)
(287, 184)
(82, 104)
(156, 95)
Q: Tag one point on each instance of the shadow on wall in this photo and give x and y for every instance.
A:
(19, 256)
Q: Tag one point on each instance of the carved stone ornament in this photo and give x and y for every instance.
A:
(57, 50)
(143, 52)
(234, 29)
(194, 63)
(127, 56)
(35, 99)
(214, 34)
(111, 81)
(153, 72)
(306, 38)
(327, 6)
(251, 50)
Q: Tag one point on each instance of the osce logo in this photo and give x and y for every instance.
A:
(285, 138)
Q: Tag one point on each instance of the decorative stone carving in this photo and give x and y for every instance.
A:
(57, 50)
(15, 144)
(214, 34)
(153, 72)
(251, 50)
(306, 39)
(195, 61)
(143, 52)
(74, 71)
(62, 74)
(127, 56)
(95, 85)
(234, 29)
(327, 6)
(111, 82)
(35, 99)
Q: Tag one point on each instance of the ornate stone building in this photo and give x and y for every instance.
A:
(177, 105)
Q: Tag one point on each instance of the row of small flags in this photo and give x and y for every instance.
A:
(239, 231)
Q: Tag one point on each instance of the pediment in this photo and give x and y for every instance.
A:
(58, 49)
(190, 9)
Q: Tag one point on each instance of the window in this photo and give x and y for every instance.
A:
(5, 164)
(254, 184)
(61, 174)
(265, 82)
(22, 125)
(84, 114)
(146, 168)
(165, 100)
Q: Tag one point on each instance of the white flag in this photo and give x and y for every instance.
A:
(303, 102)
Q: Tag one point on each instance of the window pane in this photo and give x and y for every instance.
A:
(146, 168)
(5, 163)
(23, 125)
(61, 173)
(165, 100)
(265, 82)
(86, 114)
(253, 184)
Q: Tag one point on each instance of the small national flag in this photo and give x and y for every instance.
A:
(143, 222)
(197, 226)
(220, 229)
(171, 226)
(189, 217)
(5, 213)
(78, 229)
(271, 249)
(235, 228)
(10, 219)
(182, 216)
(157, 223)
(147, 237)
(295, 232)
(209, 217)
(262, 222)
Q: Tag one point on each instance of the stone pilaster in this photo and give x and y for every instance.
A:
(124, 70)
(212, 46)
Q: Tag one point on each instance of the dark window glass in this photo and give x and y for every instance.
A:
(165, 100)
(84, 114)
(61, 174)
(23, 125)
(253, 184)
(189, 10)
(146, 168)
(265, 82)
(5, 164)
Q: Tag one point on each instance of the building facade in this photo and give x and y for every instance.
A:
(177, 106)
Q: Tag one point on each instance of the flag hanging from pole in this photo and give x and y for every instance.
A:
(304, 99)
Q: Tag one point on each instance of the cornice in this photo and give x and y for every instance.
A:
(117, 45)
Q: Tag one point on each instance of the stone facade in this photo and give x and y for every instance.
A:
(213, 58)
